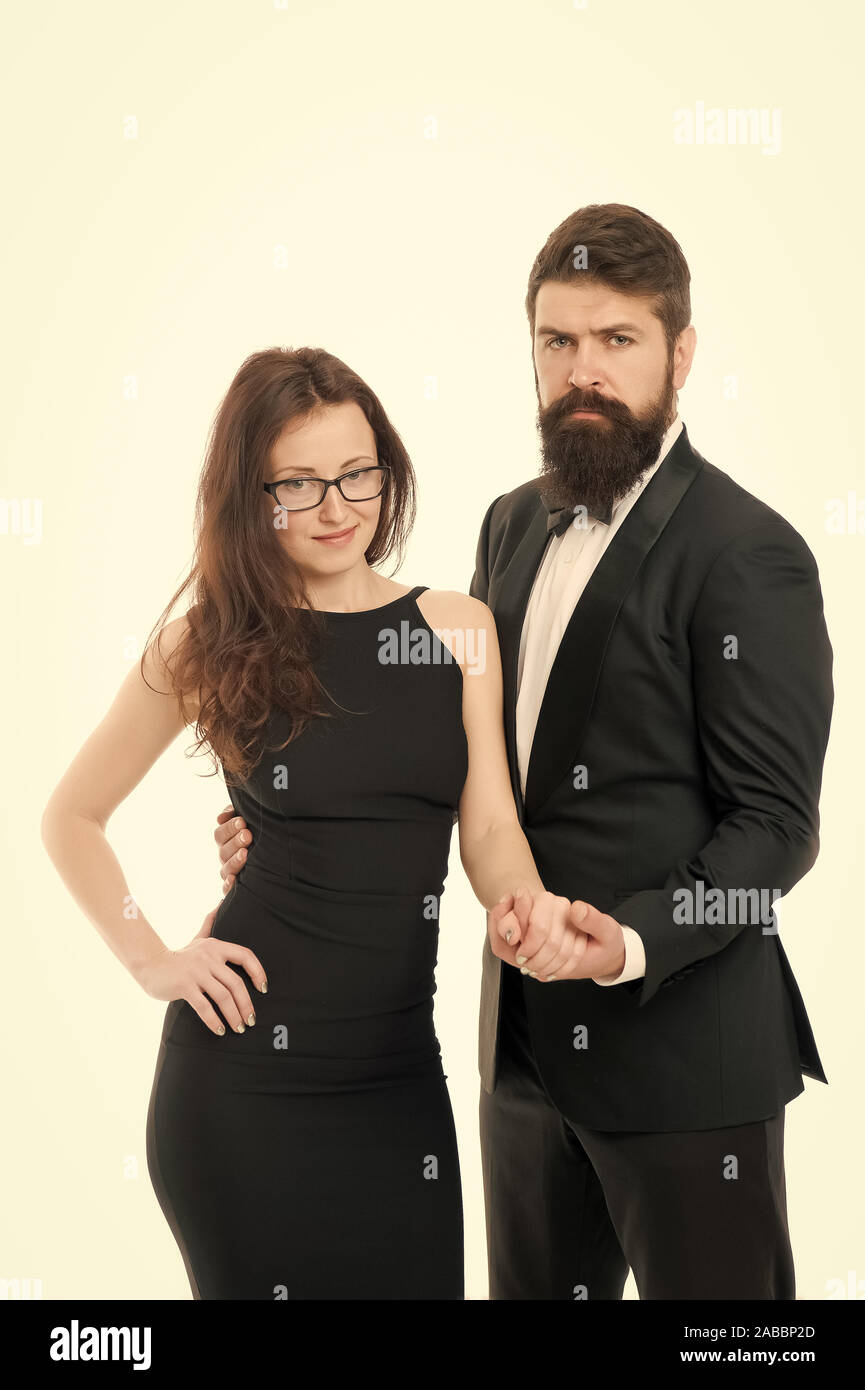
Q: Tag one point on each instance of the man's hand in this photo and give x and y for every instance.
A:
(580, 943)
(231, 835)
(604, 952)
(535, 933)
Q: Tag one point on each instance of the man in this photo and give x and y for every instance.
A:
(667, 705)
(667, 701)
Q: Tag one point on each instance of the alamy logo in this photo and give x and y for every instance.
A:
(22, 516)
(76, 1343)
(414, 646)
(717, 907)
(846, 517)
(713, 125)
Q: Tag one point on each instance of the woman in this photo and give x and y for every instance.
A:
(303, 1146)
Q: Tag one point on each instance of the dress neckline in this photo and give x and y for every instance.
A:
(365, 612)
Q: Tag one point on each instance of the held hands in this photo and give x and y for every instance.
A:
(551, 938)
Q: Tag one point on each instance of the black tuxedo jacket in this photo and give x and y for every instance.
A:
(703, 760)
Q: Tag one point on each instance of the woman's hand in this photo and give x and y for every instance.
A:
(200, 970)
(536, 933)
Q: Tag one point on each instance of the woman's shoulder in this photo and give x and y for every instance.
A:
(464, 624)
(159, 656)
(448, 608)
(161, 649)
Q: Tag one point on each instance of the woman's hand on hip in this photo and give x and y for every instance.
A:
(200, 972)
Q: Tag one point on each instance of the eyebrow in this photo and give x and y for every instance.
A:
(594, 333)
(296, 468)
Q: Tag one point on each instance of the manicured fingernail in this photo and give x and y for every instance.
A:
(520, 959)
(240, 1028)
(551, 977)
(508, 934)
(263, 987)
(251, 1020)
(533, 974)
(220, 1030)
(524, 971)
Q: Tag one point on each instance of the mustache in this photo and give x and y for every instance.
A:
(559, 410)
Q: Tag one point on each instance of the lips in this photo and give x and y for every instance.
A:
(335, 535)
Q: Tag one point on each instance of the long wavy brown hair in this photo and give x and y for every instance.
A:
(247, 649)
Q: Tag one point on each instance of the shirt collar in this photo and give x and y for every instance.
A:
(560, 518)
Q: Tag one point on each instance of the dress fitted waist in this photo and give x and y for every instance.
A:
(351, 978)
(368, 857)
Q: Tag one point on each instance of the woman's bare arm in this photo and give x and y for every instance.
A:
(138, 727)
(526, 924)
(494, 851)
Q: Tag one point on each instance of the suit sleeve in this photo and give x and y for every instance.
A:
(761, 666)
(480, 585)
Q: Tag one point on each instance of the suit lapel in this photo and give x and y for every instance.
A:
(509, 605)
(572, 682)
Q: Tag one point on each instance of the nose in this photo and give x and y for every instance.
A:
(585, 372)
(333, 509)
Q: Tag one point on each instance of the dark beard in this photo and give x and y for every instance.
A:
(595, 462)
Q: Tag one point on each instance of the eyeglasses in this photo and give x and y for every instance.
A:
(300, 494)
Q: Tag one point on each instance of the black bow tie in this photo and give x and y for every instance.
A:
(559, 520)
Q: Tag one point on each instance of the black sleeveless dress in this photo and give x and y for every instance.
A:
(314, 1156)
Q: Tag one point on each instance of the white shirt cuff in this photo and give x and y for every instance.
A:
(635, 960)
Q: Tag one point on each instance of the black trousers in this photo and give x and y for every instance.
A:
(569, 1210)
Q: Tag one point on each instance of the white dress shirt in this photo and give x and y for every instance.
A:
(565, 570)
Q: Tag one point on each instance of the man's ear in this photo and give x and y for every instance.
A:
(683, 355)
